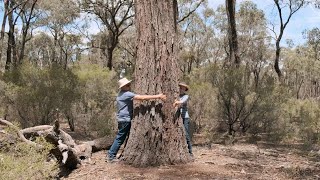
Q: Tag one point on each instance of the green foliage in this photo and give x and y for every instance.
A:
(302, 73)
(202, 103)
(98, 93)
(244, 104)
(60, 13)
(34, 94)
(85, 94)
(22, 161)
(300, 121)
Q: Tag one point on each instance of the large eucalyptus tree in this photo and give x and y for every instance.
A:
(157, 134)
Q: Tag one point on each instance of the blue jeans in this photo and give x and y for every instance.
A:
(186, 122)
(123, 131)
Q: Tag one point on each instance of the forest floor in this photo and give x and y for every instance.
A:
(241, 160)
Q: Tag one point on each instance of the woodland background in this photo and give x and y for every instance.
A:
(54, 67)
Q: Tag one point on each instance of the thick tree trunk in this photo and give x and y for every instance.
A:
(232, 32)
(157, 135)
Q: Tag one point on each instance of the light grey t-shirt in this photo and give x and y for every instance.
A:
(184, 106)
(125, 106)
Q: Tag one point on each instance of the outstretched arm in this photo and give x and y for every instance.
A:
(149, 97)
(183, 100)
(177, 103)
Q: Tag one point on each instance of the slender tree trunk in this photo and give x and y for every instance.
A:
(293, 6)
(25, 29)
(277, 58)
(111, 45)
(54, 58)
(11, 41)
(157, 134)
(232, 32)
(23, 43)
(65, 63)
(109, 58)
(3, 26)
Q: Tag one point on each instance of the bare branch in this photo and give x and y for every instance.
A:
(190, 12)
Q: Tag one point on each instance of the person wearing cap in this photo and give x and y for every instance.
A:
(183, 110)
(125, 114)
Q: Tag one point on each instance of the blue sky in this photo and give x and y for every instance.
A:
(306, 18)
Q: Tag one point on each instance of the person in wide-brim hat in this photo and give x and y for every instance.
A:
(125, 114)
(183, 110)
(123, 82)
(183, 84)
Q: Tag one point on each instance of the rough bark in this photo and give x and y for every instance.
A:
(232, 33)
(67, 152)
(157, 135)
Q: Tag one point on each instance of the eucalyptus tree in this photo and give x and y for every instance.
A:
(284, 6)
(28, 16)
(221, 30)
(313, 40)
(25, 12)
(3, 25)
(58, 18)
(127, 53)
(302, 66)
(157, 135)
(116, 16)
(188, 7)
(243, 96)
(11, 49)
(232, 32)
(40, 50)
(254, 43)
(197, 39)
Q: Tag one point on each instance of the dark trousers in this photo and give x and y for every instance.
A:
(123, 132)
(186, 122)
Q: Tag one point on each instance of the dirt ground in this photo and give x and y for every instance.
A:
(215, 161)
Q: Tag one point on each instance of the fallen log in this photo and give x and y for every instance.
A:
(66, 151)
(19, 133)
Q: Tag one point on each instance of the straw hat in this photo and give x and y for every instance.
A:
(184, 85)
(122, 82)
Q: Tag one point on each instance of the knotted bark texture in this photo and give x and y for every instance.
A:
(157, 134)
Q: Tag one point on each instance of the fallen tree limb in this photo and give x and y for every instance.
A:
(19, 133)
(66, 151)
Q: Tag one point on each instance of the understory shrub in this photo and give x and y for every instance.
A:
(245, 104)
(96, 109)
(22, 161)
(33, 95)
(300, 121)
